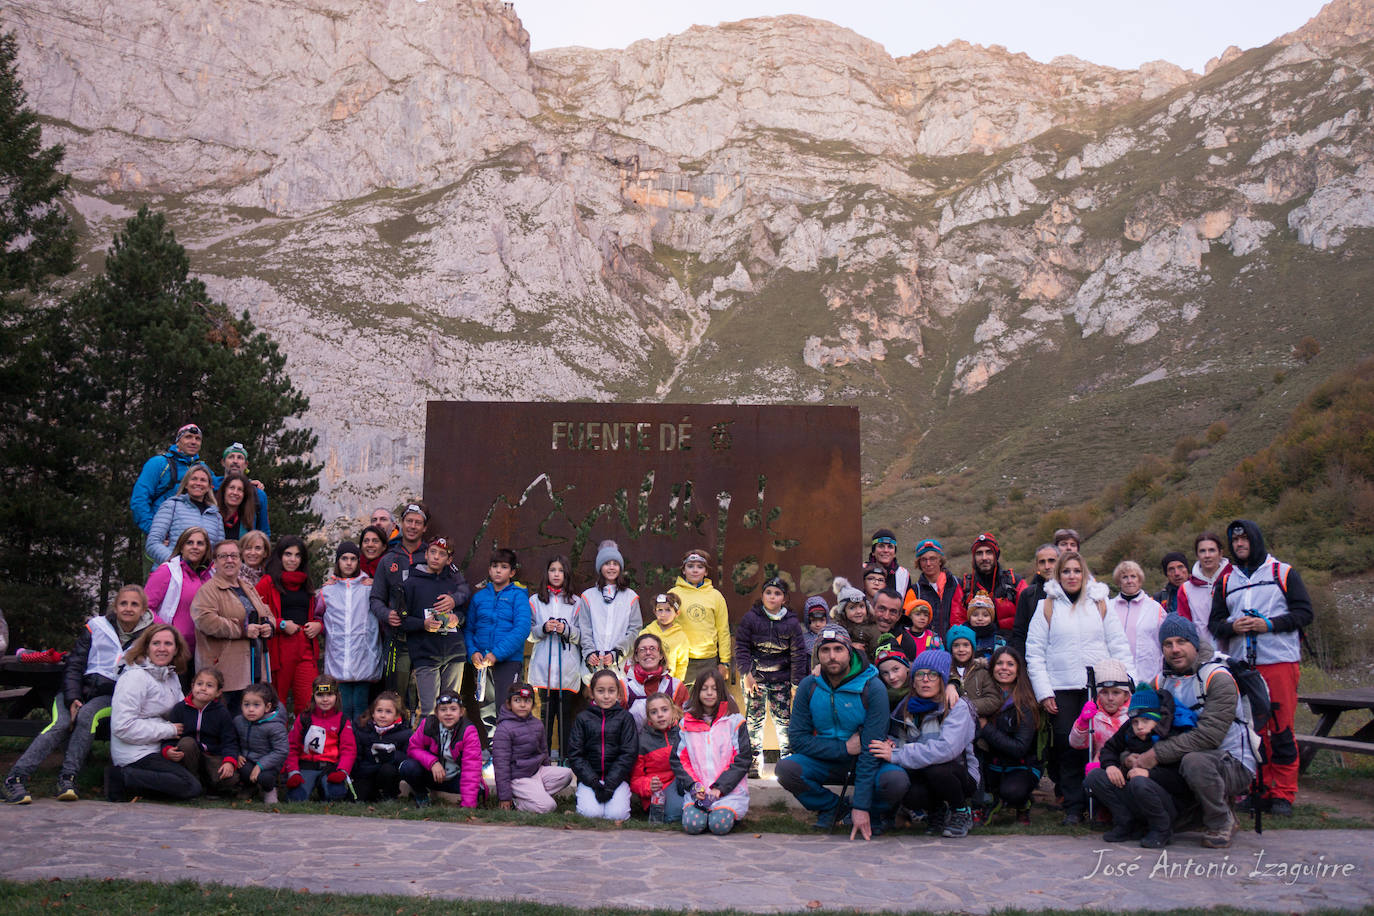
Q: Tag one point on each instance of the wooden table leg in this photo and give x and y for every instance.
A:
(1328, 722)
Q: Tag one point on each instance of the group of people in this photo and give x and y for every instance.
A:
(939, 700)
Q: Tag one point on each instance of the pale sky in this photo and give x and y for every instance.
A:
(1110, 32)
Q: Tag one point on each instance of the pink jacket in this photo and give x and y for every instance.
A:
(160, 582)
(467, 753)
(1103, 727)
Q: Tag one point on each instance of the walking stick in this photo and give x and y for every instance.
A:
(844, 790)
(558, 698)
(1092, 734)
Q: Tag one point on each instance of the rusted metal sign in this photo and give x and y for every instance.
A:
(762, 488)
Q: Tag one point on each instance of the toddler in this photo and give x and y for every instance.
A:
(263, 742)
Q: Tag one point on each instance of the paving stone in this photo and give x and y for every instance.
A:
(760, 874)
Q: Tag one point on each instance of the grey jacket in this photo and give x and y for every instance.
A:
(175, 516)
(263, 742)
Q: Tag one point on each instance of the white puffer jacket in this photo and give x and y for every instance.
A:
(144, 695)
(1059, 652)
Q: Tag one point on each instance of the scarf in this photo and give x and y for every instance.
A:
(650, 679)
(782, 611)
(293, 580)
(919, 706)
(369, 567)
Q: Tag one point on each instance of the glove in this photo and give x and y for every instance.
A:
(602, 793)
(1084, 717)
(336, 776)
(295, 780)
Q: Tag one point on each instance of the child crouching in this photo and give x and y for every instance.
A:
(652, 779)
(711, 759)
(208, 746)
(263, 742)
(525, 777)
(383, 740)
(445, 754)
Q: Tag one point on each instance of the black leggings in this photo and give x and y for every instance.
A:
(1013, 788)
(1072, 761)
(948, 782)
(156, 775)
(558, 705)
(381, 783)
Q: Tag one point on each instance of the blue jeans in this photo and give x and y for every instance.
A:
(333, 791)
(807, 778)
(672, 804)
(353, 698)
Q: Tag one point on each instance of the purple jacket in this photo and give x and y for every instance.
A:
(519, 748)
(774, 651)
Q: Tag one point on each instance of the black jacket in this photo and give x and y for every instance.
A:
(1011, 739)
(76, 684)
(1025, 609)
(212, 727)
(422, 588)
(375, 750)
(603, 746)
(774, 651)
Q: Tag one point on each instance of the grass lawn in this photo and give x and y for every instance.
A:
(115, 897)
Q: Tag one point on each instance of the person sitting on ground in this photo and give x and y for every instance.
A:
(1151, 795)
(710, 759)
(932, 743)
(88, 684)
(1011, 761)
(1103, 715)
(323, 748)
(652, 779)
(836, 716)
(208, 747)
(260, 728)
(144, 696)
(526, 778)
(602, 749)
(383, 740)
(445, 755)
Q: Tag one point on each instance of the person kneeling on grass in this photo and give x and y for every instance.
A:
(525, 778)
(263, 743)
(711, 759)
(208, 746)
(602, 750)
(323, 747)
(445, 755)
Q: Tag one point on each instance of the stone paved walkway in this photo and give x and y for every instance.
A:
(635, 868)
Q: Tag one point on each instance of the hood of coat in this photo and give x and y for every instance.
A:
(157, 672)
(1258, 551)
(1200, 578)
(1094, 591)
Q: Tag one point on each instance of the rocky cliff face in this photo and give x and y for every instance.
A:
(773, 209)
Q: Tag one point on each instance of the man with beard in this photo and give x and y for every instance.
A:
(999, 582)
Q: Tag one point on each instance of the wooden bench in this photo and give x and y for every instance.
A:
(1331, 707)
(1343, 745)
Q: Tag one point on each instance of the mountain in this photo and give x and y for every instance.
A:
(1025, 274)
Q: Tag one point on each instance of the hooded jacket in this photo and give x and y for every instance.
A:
(717, 755)
(608, 626)
(159, 479)
(212, 727)
(176, 515)
(773, 651)
(1265, 587)
(263, 743)
(519, 747)
(1058, 651)
(1140, 617)
(824, 715)
(655, 759)
(1195, 597)
(376, 747)
(352, 639)
(466, 752)
(1211, 692)
(144, 695)
(706, 620)
(603, 746)
(421, 589)
(171, 589)
(556, 658)
(95, 662)
(945, 737)
(498, 622)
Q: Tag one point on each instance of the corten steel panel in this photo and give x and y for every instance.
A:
(760, 487)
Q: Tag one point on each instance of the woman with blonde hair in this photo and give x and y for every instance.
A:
(194, 504)
(1140, 617)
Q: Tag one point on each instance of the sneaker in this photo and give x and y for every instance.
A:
(960, 822)
(1221, 839)
(16, 793)
(270, 796)
(1072, 819)
(981, 816)
(754, 772)
(1023, 817)
(66, 788)
(826, 820)
(1155, 839)
(421, 801)
(1120, 833)
(114, 784)
(1280, 807)
(935, 821)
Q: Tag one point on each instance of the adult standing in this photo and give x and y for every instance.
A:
(232, 627)
(143, 698)
(1140, 617)
(934, 584)
(238, 505)
(1213, 755)
(1046, 555)
(289, 595)
(234, 460)
(372, 546)
(162, 474)
(837, 715)
(173, 585)
(1174, 565)
(1259, 610)
(254, 549)
(1195, 597)
(1066, 539)
(883, 551)
(388, 598)
(704, 618)
(194, 505)
(88, 684)
(1072, 629)
(1001, 583)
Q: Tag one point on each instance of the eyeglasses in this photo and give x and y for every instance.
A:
(925, 675)
(227, 555)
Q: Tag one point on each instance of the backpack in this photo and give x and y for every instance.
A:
(1047, 608)
(1256, 707)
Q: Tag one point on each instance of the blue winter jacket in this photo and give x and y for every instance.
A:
(157, 481)
(259, 523)
(175, 516)
(823, 718)
(498, 622)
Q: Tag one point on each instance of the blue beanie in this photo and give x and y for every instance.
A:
(608, 550)
(959, 631)
(1145, 704)
(929, 545)
(1176, 625)
(937, 660)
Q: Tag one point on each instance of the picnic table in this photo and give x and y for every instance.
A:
(24, 687)
(1330, 707)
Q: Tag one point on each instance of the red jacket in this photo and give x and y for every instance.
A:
(655, 750)
(321, 738)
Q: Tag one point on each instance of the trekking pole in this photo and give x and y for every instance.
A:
(558, 699)
(1257, 799)
(1092, 734)
(844, 790)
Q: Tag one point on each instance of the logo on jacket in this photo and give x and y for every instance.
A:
(395, 567)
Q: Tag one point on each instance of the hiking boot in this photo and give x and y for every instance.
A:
(114, 784)
(1155, 839)
(826, 820)
(959, 823)
(1221, 839)
(16, 793)
(270, 796)
(1280, 807)
(936, 819)
(66, 788)
(1120, 833)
